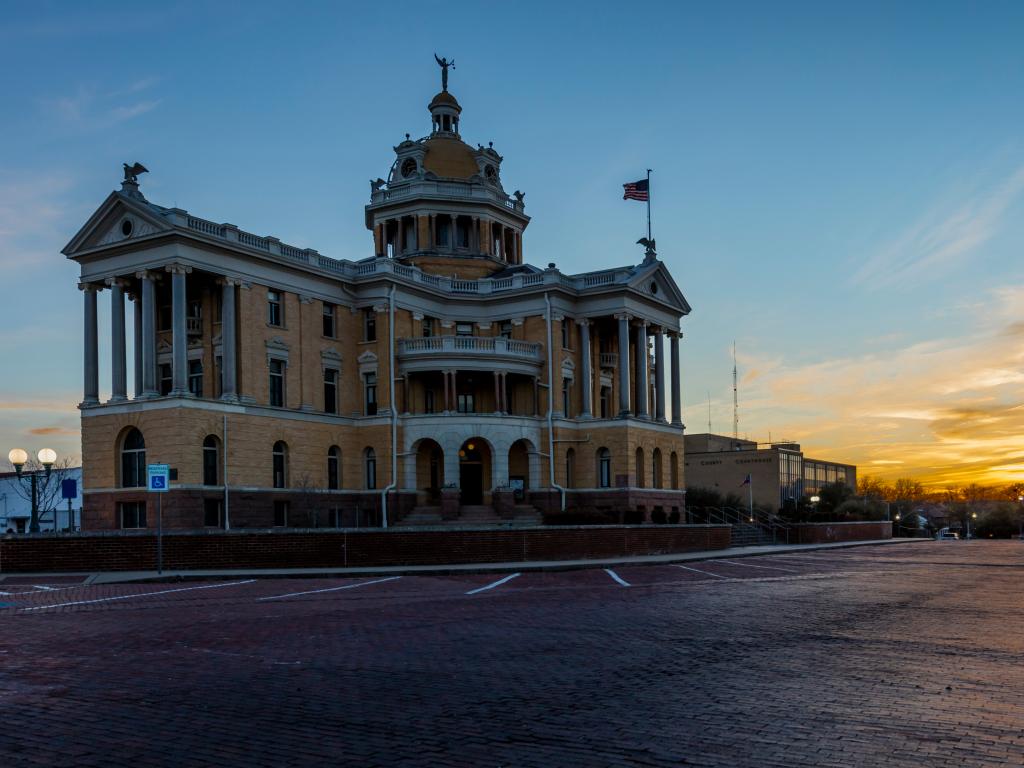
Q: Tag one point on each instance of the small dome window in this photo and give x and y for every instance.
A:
(408, 168)
(127, 227)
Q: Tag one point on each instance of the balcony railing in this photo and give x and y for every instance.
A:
(194, 326)
(609, 360)
(473, 345)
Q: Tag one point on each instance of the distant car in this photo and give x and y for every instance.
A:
(948, 536)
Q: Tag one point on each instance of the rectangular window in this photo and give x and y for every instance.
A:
(210, 464)
(277, 383)
(330, 390)
(165, 317)
(566, 383)
(195, 377)
(330, 313)
(506, 329)
(369, 325)
(565, 334)
(211, 512)
(219, 362)
(463, 329)
(465, 402)
(606, 402)
(370, 393)
(428, 401)
(334, 517)
(166, 379)
(275, 309)
(133, 514)
(428, 327)
(280, 514)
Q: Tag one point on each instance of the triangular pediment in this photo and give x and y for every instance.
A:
(119, 219)
(655, 281)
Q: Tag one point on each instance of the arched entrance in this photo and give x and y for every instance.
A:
(474, 470)
(519, 467)
(429, 470)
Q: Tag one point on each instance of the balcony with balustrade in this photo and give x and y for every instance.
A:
(469, 353)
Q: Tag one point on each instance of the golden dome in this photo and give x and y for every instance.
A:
(444, 98)
(449, 158)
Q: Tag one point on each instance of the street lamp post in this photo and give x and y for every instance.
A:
(47, 457)
(972, 516)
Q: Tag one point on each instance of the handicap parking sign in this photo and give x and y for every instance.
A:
(158, 476)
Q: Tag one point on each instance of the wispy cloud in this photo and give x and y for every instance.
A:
(63, 431)
(947, 410)
(88, 107)
(31, 216)
(942, 236)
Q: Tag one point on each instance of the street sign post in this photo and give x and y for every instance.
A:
(69, 491)
(157, 481)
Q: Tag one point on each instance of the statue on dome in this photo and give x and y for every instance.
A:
(444, 64)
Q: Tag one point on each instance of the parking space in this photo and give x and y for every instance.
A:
(524, 668)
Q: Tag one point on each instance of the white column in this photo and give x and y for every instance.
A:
(677, 405)
(91, 352)
(118, 345)
(641, 369)
(228, 344)
(623, 364)
(585, 375)
(149, 388)
(137, 340)
(659, 372)
(179, 330)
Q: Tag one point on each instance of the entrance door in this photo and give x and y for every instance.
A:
(471, 473)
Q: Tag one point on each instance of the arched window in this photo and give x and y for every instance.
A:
(570, 468)
(639, 467)
(604, 468)
(656, 468)
(333, 468)
(133, 460)
(210, 462)
(370, 467)
(280, 464)
(673, 462)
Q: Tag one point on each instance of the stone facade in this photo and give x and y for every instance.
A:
(294, 389)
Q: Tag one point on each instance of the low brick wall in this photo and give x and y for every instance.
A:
(824, 533)
(130, 551)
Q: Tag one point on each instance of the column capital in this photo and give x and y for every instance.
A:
(583, 321)
(178, 269)
(90, 287)
(227, 280)
(148, 274)
(639, 322)
(623, 316)
(117, 282)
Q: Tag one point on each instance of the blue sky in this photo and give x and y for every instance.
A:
(837, 187)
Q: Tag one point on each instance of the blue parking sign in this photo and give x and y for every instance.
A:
(158, 477)
(69, 488)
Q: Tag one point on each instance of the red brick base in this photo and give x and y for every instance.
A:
(129, 551)
(822, 533)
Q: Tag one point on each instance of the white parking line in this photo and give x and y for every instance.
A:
(752, 565)
(616, 576)
(328, 589)
(45, 588)
(140, 594)
(706, 573)
(498, 583)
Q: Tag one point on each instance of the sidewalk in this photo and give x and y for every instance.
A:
(116, 577)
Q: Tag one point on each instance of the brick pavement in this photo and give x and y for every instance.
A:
(876, 656)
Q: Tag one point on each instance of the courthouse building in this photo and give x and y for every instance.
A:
(778, 472)
(441, 378)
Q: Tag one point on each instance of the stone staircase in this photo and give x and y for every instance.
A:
(472, 515)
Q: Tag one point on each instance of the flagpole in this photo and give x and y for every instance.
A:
(648, 203)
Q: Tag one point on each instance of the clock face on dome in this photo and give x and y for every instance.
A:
(490, 172)
(408, 168)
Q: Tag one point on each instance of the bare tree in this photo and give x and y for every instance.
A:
(48, 495)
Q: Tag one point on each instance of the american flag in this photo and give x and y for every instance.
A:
(636, 190)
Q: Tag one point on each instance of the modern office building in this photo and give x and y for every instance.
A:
(778, 471)
(442, 377)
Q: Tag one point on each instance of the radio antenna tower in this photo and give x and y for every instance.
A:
(709, 411)
(735, 398)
